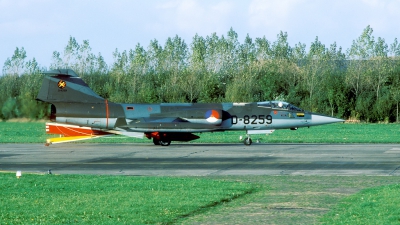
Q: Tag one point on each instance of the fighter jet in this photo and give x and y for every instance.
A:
(78, 113)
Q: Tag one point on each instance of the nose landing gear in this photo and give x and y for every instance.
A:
(247, 140)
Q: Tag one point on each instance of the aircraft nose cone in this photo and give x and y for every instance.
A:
(319, 120)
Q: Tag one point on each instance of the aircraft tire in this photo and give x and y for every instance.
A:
(164, 143)
(247, 141)
(156, 142)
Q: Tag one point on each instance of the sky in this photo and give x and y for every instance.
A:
(44, 26)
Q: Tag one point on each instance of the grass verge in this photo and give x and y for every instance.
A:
(378, 205)
(57, 199)
(300, 200)
(86, 199)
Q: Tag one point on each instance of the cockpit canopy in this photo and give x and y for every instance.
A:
(279, 105)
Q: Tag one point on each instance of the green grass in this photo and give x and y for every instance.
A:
(23, 132)
(294, 200)
(66, 199)
(85, 199)
(34, 132)
(380, 205)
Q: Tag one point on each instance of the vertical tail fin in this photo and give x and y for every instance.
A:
(64, 85)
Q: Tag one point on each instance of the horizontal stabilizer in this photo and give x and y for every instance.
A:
(64, 86)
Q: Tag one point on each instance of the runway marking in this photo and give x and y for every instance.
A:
(393, 151)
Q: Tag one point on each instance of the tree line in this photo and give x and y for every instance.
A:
(360, 83)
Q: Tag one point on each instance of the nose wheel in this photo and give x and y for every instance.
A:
(247, 141)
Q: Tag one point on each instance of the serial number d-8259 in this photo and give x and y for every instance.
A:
(253, 119)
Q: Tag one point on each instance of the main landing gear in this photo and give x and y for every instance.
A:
(164, 139)
(161, 142)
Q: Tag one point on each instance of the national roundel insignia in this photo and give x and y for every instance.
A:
(62, 84)
(212, 116)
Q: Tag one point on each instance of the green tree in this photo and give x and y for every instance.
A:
(315, 71)
(78, 57)
(360, 51)
(16, 64)
(10, 109)
(358, 55)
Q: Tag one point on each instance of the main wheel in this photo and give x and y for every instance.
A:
(164, 143)
(247, 141)
(156, 142)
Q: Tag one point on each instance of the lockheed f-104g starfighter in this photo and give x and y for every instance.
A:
(78, 113)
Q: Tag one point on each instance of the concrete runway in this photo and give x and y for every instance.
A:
(203, 159)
